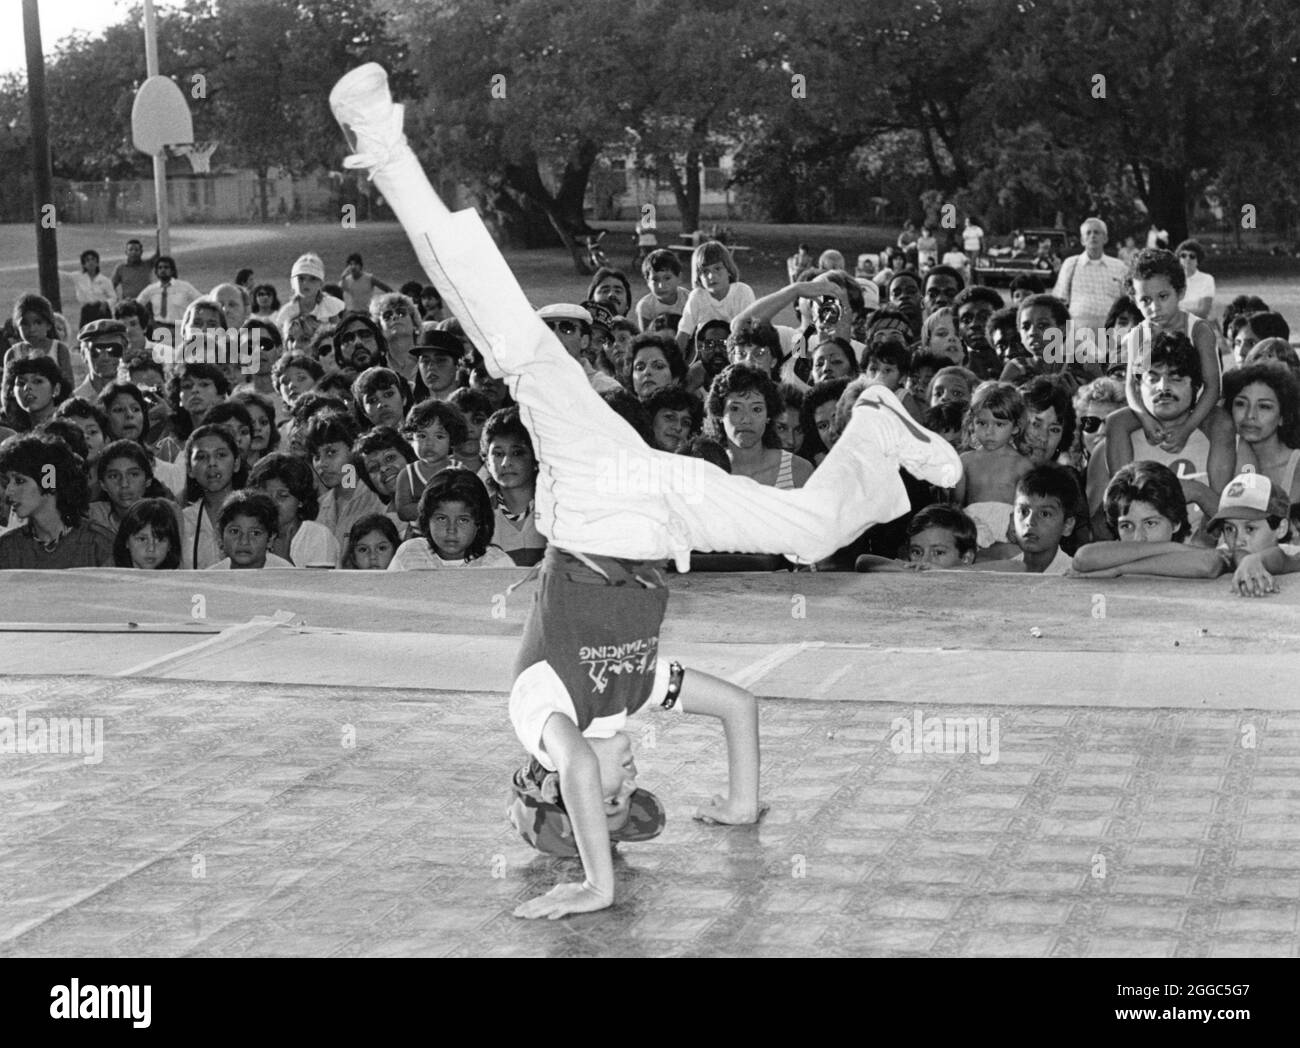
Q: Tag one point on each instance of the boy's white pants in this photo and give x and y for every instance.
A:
(600, 488)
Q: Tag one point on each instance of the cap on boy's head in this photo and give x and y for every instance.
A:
(1251, 496)
(538, 814)
(433, 340)
(308, 265)
(565, 311)
(103, 331)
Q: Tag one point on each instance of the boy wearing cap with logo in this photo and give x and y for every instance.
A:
(1252, 521)
(590, 651)
(310, 306)
(102, 344)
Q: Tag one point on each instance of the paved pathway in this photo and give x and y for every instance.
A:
(233, 819)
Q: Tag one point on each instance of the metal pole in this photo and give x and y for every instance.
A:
(47, 245)
(159, 161)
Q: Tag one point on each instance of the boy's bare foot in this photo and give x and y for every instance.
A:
(564, 899)
(720, 812)
(923, 454)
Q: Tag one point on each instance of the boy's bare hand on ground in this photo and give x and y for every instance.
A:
(564, 899)
(722, 812)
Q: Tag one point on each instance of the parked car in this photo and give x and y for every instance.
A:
(1037, 251)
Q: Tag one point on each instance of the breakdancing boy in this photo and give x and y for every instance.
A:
(613, 510)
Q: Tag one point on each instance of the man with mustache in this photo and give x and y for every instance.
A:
(1170, 384)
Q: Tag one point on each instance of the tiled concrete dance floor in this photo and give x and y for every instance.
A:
(246, 819)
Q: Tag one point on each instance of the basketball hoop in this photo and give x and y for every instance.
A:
(199, 155)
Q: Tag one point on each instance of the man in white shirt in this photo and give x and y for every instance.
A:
(1090, 282)
(972, 238)
(168, 296)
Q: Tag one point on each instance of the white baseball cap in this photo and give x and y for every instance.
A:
(308, 265)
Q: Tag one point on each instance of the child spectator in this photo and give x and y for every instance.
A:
(1273, 349)
(236, 418)
(456, 527)
(438, 355)
(916, 393)
(1004, 335)
(1158, 284)
(149, 537)
(329, 438)
(385, 453)
(946, 420)
(1145, 506)
(37, 391)
(1047, 498)
(512, 483)
(291, 487)
(293, 375)
(939, 335)
(264, 437)
(717, 291)
(818, 418)
(215, 470)
(310, 307)
(33, 316)
(676, 416)
(1024, 286)
(307, 407)
(663, 276)
(371, 544)
(433, 428)
(973, 308)
(789, 424)
(939, 537)
(1123, 317)
(1041, 319)
(995, 421)
(952, 385)
(92, 422)
(125, 477)
(248, 525)
(888, 363)
(1254, 517)
(474, 409)
(192, 391)
(381, 397)
(1257, 327)
(743, 407)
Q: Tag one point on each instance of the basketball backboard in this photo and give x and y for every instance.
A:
(160, 117)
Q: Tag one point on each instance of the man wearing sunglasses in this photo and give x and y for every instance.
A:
(102, 344)
(571, 324)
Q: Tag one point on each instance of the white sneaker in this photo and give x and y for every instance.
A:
(371, 121)
(923, 454)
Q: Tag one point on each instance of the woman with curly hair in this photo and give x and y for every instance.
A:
(743, 407)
